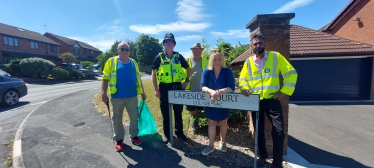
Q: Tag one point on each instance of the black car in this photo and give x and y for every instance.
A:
(11, 89)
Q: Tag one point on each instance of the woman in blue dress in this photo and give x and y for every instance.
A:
(217, 79)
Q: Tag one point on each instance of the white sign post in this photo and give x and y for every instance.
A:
(229, 101)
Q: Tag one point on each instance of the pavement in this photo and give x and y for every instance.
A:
(336, 134)
(69, 132)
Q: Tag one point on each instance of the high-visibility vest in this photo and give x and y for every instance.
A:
(204, 64)
(170, 70)
(110, 73)
(267, 82)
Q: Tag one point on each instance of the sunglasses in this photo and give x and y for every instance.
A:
(125, 49)
(169, 41)
(217, 51)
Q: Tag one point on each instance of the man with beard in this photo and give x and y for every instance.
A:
(260, 75)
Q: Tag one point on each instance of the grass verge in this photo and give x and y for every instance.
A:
(153, 105)
(9, 158)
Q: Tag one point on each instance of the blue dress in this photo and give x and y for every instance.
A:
(225, 79)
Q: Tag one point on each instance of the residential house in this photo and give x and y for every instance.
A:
(329, 67)
(19, 43)
(354, 22)
(82, 50)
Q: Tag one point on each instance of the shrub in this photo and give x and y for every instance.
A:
(36, 67)
(15, 69)
(5, 67)
(60, 74)
(75, 74)
(89, 75)
(236, 116)
(87, 65)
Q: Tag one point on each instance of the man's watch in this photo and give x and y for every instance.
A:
(187, 80)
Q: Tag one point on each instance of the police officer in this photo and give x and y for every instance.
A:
(167, 70)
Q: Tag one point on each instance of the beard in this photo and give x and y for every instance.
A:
(259, 51)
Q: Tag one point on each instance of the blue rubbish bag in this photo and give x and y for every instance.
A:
(146, 123)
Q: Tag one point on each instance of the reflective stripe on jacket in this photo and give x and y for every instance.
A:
(110, 73)
(267, 82)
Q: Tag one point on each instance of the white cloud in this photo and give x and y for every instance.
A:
(112, 29)
(232, 33)
(291, 6)
(190, 10)
(186, 54)
(116, 21)
(170, 27)
(187, 38)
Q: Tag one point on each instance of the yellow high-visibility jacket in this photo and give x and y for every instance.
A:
(268, 82)
(204, 64)
(170, 70)
(110, 73)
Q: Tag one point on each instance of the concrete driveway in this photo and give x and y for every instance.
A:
(333, 134)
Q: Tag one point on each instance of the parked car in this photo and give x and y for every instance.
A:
(3, 73)
(73, 66)
(97, 72)
(11, 89)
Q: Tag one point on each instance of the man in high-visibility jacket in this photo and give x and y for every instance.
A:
(197, 65)
(260, 74)
(167, 68)
(123, 76)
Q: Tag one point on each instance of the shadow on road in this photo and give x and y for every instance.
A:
(321, 157)
(20, 104)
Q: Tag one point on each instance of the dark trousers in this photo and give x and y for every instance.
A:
(273, 109)
(164, 105)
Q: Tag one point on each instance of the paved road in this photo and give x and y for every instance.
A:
(11, 117)
(337, 135)
(79, 136)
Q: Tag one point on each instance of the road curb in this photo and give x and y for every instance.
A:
(17, 145)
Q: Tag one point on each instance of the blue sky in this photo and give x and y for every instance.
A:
(100, 22)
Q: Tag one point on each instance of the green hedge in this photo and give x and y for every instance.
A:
(75, 74)
(36, 67)
(236, 116)
(15, 69)
(60, 74)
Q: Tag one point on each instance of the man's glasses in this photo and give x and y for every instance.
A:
(125, 49)
(217, 51)
(169, 41)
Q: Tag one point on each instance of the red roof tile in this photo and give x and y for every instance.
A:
(307, 42)
(72, 42)
(23, 33)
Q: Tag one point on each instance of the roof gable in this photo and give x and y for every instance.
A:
(342, 13)
(73, 42)
(23, 33)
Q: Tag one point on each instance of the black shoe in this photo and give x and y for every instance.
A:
(165, 140)
(182, 137)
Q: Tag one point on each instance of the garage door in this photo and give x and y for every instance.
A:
(333, 79)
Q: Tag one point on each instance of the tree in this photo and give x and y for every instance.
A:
(238, 50)
(207, 48)
(68, 58)
(147, 49)
(132, 45)
(87, 65)
(103, 58)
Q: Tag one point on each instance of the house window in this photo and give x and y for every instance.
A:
(91, 52)
(53, 48)
(76, 49)
(10, 41)
(84, 50)
(35, 45)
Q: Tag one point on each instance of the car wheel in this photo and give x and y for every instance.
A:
(10, 98)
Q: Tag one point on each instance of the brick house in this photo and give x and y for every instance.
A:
(82, 50)
(329, 67)
(354, 22)
(19, 43)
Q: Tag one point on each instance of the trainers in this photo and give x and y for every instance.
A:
(165, 140)
(136, 140)
(223, 147)
(208, 150)
(119, 146)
